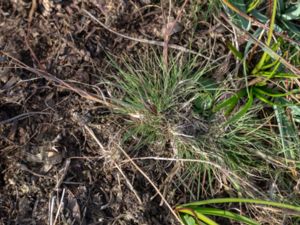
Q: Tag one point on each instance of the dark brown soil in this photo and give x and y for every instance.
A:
(48, 159)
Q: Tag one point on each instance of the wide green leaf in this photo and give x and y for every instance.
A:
(226, 214)
(253, 5)
(199, 216)
(295, 111)
(264, 19)
(230, 102)
(269, 39)
(292, 13)
(292, 28)
(236, 18)
(188, 219)
(196, 210)
(244, 109)
(234, 51)
(271, 93)
(241, 200)
(288, 133)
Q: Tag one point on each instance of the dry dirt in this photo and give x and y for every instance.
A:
(51, 169)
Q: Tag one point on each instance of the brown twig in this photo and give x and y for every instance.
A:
(92, 134)
(152, 184)
(32, 10)
(32, 52)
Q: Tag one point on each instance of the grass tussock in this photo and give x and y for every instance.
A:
(159, 102)
(237, 145)
(173, 109)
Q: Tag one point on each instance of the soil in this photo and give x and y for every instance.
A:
(51, 170)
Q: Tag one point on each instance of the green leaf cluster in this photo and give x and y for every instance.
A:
(196, 213)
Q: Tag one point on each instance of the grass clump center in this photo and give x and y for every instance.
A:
(159, 102)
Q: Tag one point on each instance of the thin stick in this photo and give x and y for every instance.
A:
(51, 207)
(23, 116)
(152, 184)
(32, 10)
(92, 134)
(129, 184)
(60, 206)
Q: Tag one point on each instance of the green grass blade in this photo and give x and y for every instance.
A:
(281, 6)
(232, 101)
(292, 29)
(226, 214)
(283, 129)
(263, 98)
(235, 17)
(292, 13)
(274, 48)
(288, 132)
(270, 34)
(257, 34)
(241, 200)
(243, 110)
(272, 64)
(269, 92)
(268, 66)
(295, 111)
(278, 75)
(276, 66)
(234, 51)
(187, 219)
(199, 215)
(226, 103)
(230, 108)
(253, 5)
(259, 16)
